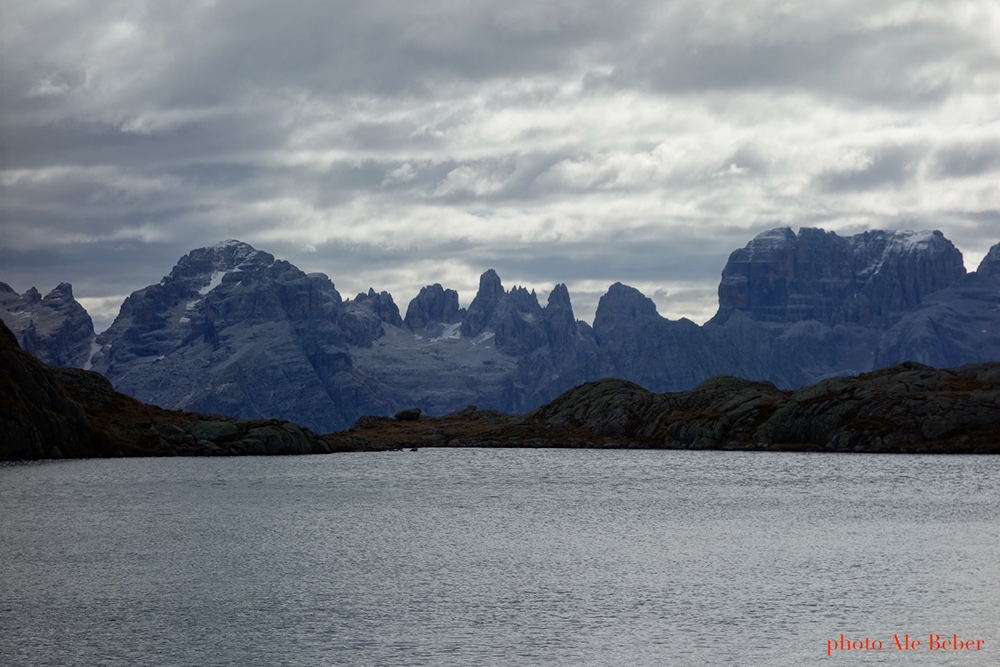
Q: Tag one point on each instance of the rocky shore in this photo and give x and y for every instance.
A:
(906, 408)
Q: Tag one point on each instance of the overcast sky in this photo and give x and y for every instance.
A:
(397, 144)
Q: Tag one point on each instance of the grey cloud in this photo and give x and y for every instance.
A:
(629, 259)
(93, 269)
(342, 179)
(220, 175)
(748, 157)
(887, 166)
(830, 53)
(642, 255)
(966, 159)
(976, 233)
(390, 136)
(81, 142)
(236, 117)
(384, 48)
(496, 179)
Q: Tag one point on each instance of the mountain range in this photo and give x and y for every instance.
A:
(233, 330)
(51, 412)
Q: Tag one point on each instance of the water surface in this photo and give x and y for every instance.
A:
(498, 557)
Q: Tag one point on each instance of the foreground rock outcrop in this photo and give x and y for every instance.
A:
(50, 412)
(907, 408)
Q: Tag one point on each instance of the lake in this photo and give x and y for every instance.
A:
(502, 557)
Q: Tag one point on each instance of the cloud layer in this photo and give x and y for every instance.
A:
(394, 144)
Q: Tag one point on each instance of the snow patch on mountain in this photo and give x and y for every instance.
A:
(451, 331)
(95, 347)
(213, 282)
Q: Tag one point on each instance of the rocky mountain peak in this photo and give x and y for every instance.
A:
(433, 305)
(776, 239)
(362, 319)
(559, 298)
(484, 305)
(59, 293)
(203, 268)
(233, 330)
(621, 311)
(56, 328)
(490, 286)
(518, 322)
(990, 266)
(381, 306)
(560, 325)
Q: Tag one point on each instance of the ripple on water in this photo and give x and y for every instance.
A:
(502, 557)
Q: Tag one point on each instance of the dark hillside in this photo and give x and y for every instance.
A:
(50, 412)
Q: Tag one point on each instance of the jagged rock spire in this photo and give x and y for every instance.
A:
(485, 304)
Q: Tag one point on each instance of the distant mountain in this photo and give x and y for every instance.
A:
(797, 308)
(819, 276)
(235, 331)
(56, 328)
(51, 412)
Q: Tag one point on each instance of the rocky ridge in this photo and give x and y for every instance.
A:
(906, 408)
(235, 331)
(816, 275)
(798, 308)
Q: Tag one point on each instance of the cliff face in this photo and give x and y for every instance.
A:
(816, 275)
(56, 328)
(434, 305)
(797, 308)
